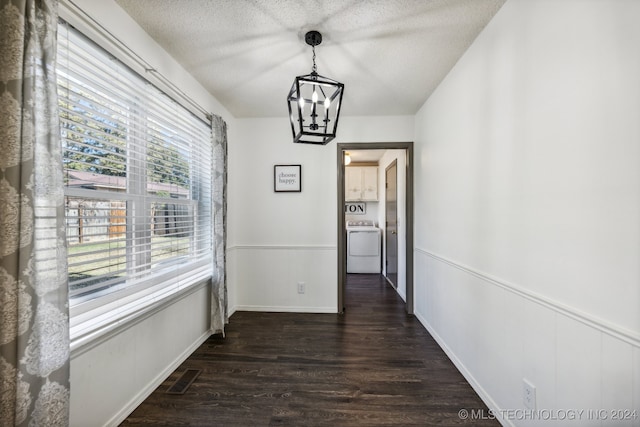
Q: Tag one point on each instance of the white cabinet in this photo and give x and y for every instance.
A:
(361, 183)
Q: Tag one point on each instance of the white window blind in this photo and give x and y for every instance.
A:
(138, 187)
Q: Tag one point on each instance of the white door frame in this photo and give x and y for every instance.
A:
(342, 233)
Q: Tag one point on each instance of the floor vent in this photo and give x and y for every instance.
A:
(184, 381)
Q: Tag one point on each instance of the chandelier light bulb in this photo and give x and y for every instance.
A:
(327, 103)
(314, 97)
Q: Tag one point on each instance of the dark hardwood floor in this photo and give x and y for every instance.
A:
(372, 366)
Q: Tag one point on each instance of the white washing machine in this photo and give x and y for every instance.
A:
(363, 247)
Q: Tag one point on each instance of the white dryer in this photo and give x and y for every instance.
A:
(363, 247)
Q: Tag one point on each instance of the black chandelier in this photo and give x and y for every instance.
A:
(314, 103)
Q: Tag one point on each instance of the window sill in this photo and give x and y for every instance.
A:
(98, 332)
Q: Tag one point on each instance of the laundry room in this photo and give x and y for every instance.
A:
(374, 213)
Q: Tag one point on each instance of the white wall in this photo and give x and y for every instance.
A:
(279, 239)
(112, 376)
(527, 208)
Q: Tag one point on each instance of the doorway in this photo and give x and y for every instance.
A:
(407, 245)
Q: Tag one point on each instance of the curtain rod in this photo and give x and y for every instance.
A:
(148, 68)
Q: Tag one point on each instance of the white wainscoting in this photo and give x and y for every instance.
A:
(498, 333)
(265, 278)
(109, 380)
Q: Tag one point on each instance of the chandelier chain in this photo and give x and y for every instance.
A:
(314, 68)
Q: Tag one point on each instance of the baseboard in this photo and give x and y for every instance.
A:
(122, 415)
(486, 398)
(231, 311)
(286, 309)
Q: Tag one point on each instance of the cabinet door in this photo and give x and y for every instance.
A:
(352, 183)
(370, 183)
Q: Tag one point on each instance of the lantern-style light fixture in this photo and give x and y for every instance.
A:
(314, 103)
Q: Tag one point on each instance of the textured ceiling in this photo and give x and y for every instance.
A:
(390, 54)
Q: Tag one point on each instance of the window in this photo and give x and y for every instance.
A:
(138, 186)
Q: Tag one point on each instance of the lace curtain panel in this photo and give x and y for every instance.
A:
(219, 310)
(34, 319)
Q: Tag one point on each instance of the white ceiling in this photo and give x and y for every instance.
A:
(390, 54)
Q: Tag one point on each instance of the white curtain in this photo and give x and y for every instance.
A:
(219, 309)
(34, 319)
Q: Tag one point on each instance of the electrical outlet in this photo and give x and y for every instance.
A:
(301, 287)
(528, 394)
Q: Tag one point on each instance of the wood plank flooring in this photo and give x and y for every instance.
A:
(372, 366)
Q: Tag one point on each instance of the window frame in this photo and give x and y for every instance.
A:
(92, 317)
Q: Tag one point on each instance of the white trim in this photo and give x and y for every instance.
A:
(232, 310)
(486, 398)
(85, 343)
(601, 325)
(82, 308)
(285, 309)
(140, 397)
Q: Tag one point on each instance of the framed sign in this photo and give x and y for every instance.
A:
(287, 178)
(357, 208)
